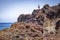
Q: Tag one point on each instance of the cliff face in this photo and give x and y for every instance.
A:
(42, 24)
(38, 15)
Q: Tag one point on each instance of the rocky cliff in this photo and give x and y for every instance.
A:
(42, 24)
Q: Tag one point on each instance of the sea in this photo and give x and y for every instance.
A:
(5, 25)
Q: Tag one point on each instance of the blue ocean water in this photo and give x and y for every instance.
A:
(4, 25)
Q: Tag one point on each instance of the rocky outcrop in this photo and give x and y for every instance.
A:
(35, 26)
(22, 31)
(38, 15)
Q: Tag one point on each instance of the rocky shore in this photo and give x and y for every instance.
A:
(31, 26)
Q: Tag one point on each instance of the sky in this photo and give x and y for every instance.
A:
(11, 9)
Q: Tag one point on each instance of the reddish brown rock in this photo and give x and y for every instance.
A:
(30, 26)
(22, 31)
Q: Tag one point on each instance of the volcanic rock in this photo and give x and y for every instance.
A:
(31, 26)
(22, 31)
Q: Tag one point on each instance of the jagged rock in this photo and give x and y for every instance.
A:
(52, 13)
(23, 18)
(59, 4)
(22, 31)
(46, 6)
(38, 15)
(31, 26)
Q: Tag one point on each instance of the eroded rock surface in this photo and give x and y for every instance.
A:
(22, 31)
(31, 26)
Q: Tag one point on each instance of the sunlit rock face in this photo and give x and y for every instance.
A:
(48, 27)
(42, 24)
(21, 30)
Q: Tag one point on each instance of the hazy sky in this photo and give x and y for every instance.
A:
(11, 9)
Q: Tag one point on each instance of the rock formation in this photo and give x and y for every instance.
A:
(42, 24)
(22, 31)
